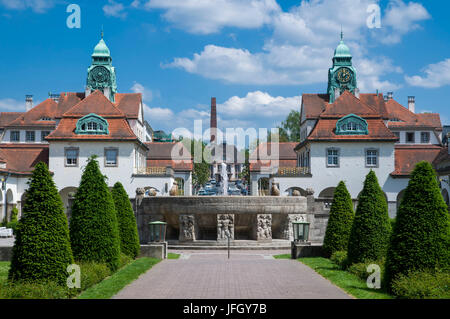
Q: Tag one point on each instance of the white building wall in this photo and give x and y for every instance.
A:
(70, 176)
(417, 137)
(7, 136)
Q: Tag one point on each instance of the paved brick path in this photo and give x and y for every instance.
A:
(246, 275)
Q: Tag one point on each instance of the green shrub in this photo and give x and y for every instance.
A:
(129, 238)
(33, 290)
(369, 238)
(94, 232)
(124, 260)
(360, 269)
(14, 215)
(421, 236)
(13, 226)
(92, 273)
(340, 259)
(340, 221)
(42, 248)
(422, 285)
(392, 221)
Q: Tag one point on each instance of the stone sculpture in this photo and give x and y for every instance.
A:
(275, 190)
(174, 190)
(264, 227)
(187, 227)
(225, 226)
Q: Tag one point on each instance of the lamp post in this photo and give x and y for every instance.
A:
(157, 232)
(301, 231)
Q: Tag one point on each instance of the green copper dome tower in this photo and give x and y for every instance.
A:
(342, 76)
(101, 73)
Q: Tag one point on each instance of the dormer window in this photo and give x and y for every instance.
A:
(45, 118)
(352, 125)
(92, 124)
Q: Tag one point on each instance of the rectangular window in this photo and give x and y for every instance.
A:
(44, 134)
(425, 137)
(15, 136)
(71, 157)
(111, 155)
(410, 137)
(30, 136)
(371, 158)
(332, 157)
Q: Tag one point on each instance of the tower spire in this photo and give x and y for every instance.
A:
(102, 32)
(342, 34)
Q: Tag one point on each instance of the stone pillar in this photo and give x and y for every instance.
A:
(264, 227)
(288, 229)
(310, 201)
(225, 225)
(187, 228)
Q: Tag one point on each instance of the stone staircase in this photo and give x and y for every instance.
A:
(276, 244)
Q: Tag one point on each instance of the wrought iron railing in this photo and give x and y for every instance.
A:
(153, 171)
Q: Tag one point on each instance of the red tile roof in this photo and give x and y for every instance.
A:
(287, 156)
(21, 158)
(95, 103)
(407, 156)
(325, 131)
(347, 104)
(33, 117)
(404, 118)
(129, 103)
(8, 117)
(314, 104)
(160, 155)
(118, 130)
(67, 101)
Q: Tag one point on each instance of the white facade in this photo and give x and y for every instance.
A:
(129, 162)
(22, 134)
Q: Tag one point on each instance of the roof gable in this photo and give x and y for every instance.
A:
(346, 104)
(95, 103)
(129, 103)
(35, 116)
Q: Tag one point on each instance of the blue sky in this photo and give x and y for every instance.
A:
(257, 57)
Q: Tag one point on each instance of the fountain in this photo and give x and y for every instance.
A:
(224, 176)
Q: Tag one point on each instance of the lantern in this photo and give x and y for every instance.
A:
(301, 231)
(157, 231)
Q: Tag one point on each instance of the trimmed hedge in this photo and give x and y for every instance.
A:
(340, 221)
(129, 238)
(369, 238)
(94, 232)
(41, 250)
(420, 239)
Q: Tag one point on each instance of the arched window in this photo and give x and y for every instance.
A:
(92, 124)
(351, 125)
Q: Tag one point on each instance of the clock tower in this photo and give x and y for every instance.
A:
(342, 76)
(101, 74)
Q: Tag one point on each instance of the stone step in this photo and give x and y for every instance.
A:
(177, 247)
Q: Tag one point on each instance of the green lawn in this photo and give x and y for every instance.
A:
(173, 256)
(343, 279)
(112, 285)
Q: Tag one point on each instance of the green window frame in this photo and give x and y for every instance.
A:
(352, 125)
(92, 124)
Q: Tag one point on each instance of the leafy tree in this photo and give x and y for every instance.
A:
(41, 250)
(129, 238)
(290, 128)
(421, 235)
(94, 232)
(369, 237)
(340, 221)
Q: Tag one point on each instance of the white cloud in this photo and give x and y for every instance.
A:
(210, 16)
(259, 104)
(147, 94)
(436, 75)
(301, 46)
(403, 18)
(114, 9)
(256, 109)
(12, 105)
(38, 6)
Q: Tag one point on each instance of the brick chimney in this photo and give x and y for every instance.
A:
(29, 102)
(412, 104)
(213, 125)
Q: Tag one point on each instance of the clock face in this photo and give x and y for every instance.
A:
(100, 74)
(344, 75)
